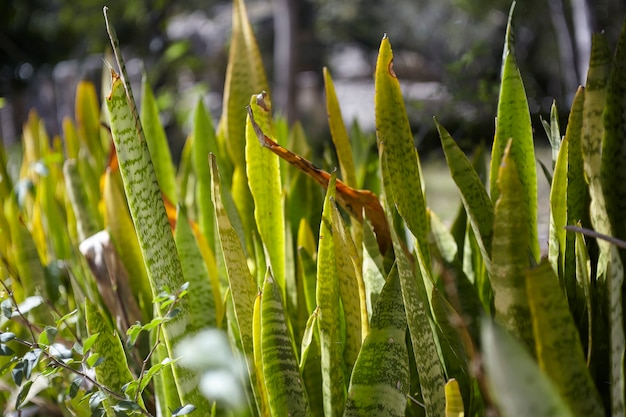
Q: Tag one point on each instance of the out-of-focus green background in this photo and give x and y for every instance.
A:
(447, 55)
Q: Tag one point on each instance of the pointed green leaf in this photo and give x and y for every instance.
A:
(285, 388)
(119, 224)
(329, 319)
(87, 223)
(351, 288)
(157, 143)
(244, 76)
(88, 122)
(242, 285)
(201, 298)
(418, 314)
(151, 223)
(513, 123)
(577, 192)
(613, 172)
(373, 278)
(474, 196)
(517, 385)
(558, 211)
(613, 177)
(558, 347)
(203, 143)
(593, 132)
(380, 380)
(610, 268)
(395, 143)
(511, 253)
(113, 372)
(258, 355)
(263, 171)
(338, 132)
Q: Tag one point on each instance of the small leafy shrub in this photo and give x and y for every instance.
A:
(251, 282)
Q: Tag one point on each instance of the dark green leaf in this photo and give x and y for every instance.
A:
(17, 373)
(31, 359)
(5, 350)
(72, 390)
(23, 394)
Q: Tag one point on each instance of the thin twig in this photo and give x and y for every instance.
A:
(592, 233)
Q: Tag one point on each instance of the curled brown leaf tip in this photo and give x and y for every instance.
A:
(261, 102)
(257, 129)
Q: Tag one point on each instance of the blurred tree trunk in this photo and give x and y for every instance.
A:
(567, 60)
(285, 56)
(582, 22)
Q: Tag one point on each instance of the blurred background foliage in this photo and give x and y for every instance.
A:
(448, 55)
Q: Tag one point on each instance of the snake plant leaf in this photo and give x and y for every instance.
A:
(510, 253)
(157, 142)
(584, 291)
(307, 338)
(70, 138)
(202, 301)
(395, 143)
(454, 401)
(592, 135)
(373, 278)
(30, 271)
(88, 122)
(455, 342)
(553, 132)
(49, 187)
(263, 171)
(244, 76)
(203, 143)
(577, 194)
(518, 386)
(610, 267)
(307, 265)
(351, 288)
(285, 388)
(329, 318)
(613, 172)
(380, 379)
(339, 135)
(418, 314)
(338, 132)
(258, 355)
(86, 220)
(513, 122)
(613, 176)
(474, 196)
(558, 212)
(118, 223)
(151, 224)
(444, 241)
(113, 372)
(241, 283)
(558, 347)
